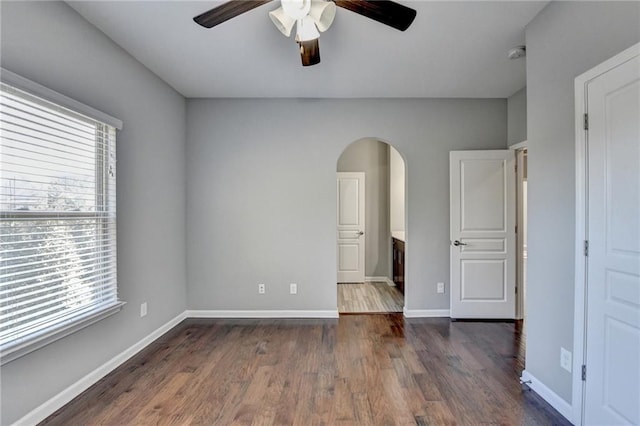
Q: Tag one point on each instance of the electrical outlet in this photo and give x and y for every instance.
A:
(565, 359)
(143, 309)
(293, 288)
(440, 287)
(261, 288)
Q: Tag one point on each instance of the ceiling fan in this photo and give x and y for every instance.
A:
(311, 16)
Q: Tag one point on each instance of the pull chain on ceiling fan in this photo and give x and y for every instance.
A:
(311, 17)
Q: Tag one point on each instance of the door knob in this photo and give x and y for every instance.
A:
(458, 243)
(360, 233)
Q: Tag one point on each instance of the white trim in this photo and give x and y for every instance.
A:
(519, 145)
(380, 280)
(520, 231)
(41, 91)
(548, 395)
(580, 264)
(49, 407)
(62, 330)
(579, 311)
(426, 313)
(261, 314)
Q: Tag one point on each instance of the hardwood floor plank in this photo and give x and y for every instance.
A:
(162, 404)
(357, 370)
(436, 413)
(369, 297)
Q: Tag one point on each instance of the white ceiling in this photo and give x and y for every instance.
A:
(453, 49)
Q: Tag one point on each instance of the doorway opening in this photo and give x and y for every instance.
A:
(521, 244)
(521, 232)
(370, 235)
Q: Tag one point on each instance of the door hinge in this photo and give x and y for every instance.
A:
(586, 121)
(584, 373)
(586, 247)
(516, 229)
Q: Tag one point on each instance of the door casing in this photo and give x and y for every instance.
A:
(521, 227)
(581, 231)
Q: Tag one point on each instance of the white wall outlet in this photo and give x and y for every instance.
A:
(261, 288)
(293, 288)
(440, 287)
(565, 359)
(143, 309)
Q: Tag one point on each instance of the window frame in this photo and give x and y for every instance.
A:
(79, 320)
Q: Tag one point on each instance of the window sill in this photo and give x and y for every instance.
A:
(16, 351)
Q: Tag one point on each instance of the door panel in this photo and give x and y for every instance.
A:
(482, 211)
(351, 222)
(482, 207)
(612, 388)
(349, 258)
(483, 280)
(349, 208)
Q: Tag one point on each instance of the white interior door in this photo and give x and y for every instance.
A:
(612, 386)
(351, 218)
(482, 232)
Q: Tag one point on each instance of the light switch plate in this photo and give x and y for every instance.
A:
(565, 359)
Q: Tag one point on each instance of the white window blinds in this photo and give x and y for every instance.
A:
(57, 219)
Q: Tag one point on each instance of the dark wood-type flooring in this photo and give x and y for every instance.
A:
(360, 369)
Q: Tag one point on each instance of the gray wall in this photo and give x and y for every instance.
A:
(563, 41)
(372, 157)
(396, 191)
(54, 46)
(517, 117)
(261, 197)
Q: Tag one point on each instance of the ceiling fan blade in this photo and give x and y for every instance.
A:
(387, 12)
(226, 11)
(309, 52)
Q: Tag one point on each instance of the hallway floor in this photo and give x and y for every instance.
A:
(369, 298)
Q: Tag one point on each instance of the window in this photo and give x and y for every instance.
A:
(57, 221)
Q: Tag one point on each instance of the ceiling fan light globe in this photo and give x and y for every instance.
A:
(297, 9)
(306, 30)
(283, 22)
(323, 13)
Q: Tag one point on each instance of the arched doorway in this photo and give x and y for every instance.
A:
(370, 234)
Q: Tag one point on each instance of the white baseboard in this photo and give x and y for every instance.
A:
(548, 395)
(261, 314)
(380, 280)
(49, 407)
(426, 313)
